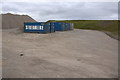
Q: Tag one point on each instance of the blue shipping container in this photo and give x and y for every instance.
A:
(51, 27)
(39, 27)
(59, 26)
(68, 26)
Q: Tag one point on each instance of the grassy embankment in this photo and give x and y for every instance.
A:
(108, 26)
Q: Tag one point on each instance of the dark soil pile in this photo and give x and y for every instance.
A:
(15, 21)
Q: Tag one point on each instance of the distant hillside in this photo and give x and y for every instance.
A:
(110, 27)
(15, 21)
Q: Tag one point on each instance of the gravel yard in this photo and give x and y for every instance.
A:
(68, 54)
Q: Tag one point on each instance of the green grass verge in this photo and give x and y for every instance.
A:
(101, 25)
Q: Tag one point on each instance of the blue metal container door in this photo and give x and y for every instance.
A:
(57, 26)
(63, 26)
(66, 26)
(48, 27)
(52, 27)
(60, 26)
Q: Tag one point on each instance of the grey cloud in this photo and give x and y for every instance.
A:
(44, 11)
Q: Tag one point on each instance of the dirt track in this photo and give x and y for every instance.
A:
(68, 54)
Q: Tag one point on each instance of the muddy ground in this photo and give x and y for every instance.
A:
(68, 54)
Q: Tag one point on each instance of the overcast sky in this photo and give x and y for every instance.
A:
(43, 11)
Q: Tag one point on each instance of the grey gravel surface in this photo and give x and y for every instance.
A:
(68, 54)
